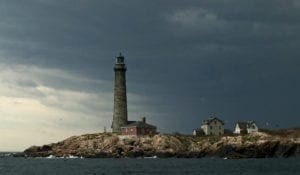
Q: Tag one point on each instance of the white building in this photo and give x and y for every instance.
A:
(213, 126)
(245, 127)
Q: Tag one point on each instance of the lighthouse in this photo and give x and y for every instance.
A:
(120, 97)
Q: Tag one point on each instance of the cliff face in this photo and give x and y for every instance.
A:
(257, 145)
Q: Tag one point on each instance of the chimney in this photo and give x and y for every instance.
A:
(144, 119)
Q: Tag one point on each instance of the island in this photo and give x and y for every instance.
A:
(263, 144)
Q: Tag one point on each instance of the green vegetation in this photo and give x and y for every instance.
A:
(214, 139)
(249, 138)
(292, 132)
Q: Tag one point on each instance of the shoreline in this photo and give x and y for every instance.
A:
(108, 145)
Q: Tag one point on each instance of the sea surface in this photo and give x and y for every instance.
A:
(166, 166)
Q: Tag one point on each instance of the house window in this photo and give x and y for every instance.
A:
(220, 127)
(215, 122)
(210, 127)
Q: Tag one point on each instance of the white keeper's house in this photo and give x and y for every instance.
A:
(245, 127)
(211, 126)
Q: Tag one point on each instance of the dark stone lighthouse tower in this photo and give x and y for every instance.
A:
(120, 99)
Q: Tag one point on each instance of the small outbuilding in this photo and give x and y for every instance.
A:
(245, 127)
(198, 132)
(137, 128)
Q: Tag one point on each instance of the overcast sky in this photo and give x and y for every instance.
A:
(187, 60)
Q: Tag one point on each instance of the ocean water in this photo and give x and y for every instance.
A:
(207, 166)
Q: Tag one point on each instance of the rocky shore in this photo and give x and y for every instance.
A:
(104, 145)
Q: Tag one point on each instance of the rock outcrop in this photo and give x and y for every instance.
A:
(259, 145)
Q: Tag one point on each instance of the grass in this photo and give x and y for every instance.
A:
(292, 132)
(249, 138)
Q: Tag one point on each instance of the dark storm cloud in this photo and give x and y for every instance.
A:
(236, 59)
